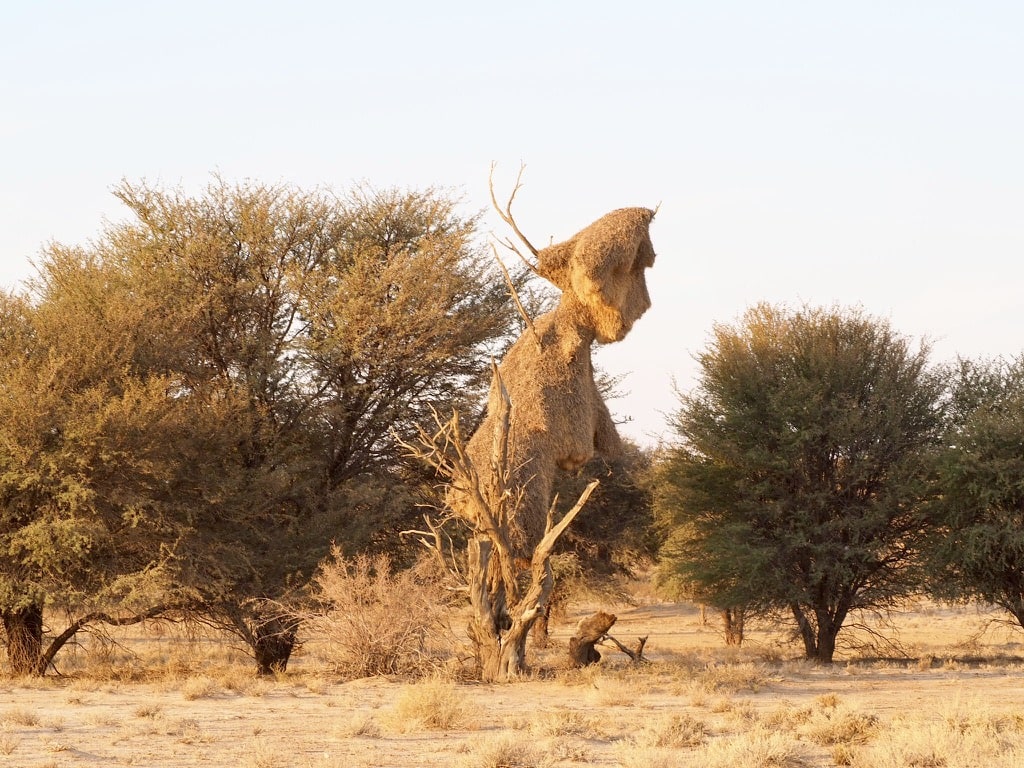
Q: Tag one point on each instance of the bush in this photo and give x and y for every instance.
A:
(372, 620)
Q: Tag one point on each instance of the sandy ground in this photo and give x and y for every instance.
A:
(589, 717)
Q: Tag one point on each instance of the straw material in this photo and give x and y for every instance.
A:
(558, 418)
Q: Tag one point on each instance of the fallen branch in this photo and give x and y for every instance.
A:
(637, 656)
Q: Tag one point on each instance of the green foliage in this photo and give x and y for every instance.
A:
(978, 549)
(798, 479)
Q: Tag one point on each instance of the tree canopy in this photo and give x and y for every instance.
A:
(978, 546)
(193, 406)
(798, 479)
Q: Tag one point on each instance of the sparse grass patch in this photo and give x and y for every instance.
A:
(22, 716)
(839, 726)
(101, 719)
(433, 705)
(262, 755)
(676, 730)
(567, 722)
(201, 687)
(507, 751)
(786, 717)
(731, 678)
(912, 742)
(358, 724)
(188, 732)
(756, 748)
(148, 710)
(827, 700)
(630, 755)
(8, 743)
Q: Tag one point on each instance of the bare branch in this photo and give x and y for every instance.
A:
(515, 296)
(506, 213)
(553, 532)
(636, 656)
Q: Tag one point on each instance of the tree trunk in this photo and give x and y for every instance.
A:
(24, 630)
(500, 649)
(273, 643)
(733, 618)
(539, 633)
(499, 639)
(806, 632)
(591, 629)
(828, 630)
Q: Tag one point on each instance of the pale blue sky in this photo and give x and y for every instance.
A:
(866, 153)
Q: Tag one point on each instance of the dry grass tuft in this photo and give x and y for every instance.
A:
(21, 716)
(148, 710)
(630, 755)
(201, 687)
(839, 726)
(567, 722)
(757, 748)
(675, 730)
(358, 724)
(731, 678)
(913, 742)
(433, 705)
(8, 743)
(262, 755)
(508, 751)
(786, 717)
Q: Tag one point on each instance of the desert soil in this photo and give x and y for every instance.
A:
(943, 667)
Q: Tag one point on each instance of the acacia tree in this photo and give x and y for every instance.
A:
(978, 547)
(87, 502)
(334, 324)
(291, 334)
(799, 479)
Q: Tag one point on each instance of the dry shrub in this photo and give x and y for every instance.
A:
(8, 743)
(433, 705)
(629, 755)
(786, 717)
(263, 755)
(374, 620)
(358, 724)
(21, 716)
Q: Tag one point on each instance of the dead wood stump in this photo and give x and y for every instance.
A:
(588, 632)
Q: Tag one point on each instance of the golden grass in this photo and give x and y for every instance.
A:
(433, 705)
(507, 751)
(697, 703)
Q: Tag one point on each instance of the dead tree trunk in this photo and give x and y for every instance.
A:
(588, 632)
(503, 611)
(500, 649)
(268, 630)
